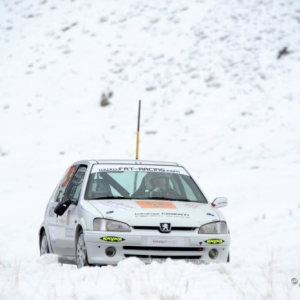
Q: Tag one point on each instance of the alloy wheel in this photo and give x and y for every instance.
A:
(81, 252)
(44, 249)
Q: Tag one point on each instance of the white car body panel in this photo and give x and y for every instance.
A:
(183, 242)
(181, 213)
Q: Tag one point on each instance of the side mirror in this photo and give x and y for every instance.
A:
(62, 207)
(220, 202)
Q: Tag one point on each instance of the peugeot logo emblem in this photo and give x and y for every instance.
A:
(165, 227)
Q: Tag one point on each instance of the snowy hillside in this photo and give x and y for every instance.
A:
(219, 84)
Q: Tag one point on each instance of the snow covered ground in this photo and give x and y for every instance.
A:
(219, 84)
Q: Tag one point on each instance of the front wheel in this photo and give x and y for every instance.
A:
(228, 258)
(81, 253)
(44, 247)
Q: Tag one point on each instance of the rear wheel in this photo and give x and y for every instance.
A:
(44, 247)
(81, 253)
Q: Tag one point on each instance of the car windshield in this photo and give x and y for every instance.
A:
(142, 182)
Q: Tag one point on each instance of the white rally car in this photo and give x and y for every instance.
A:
(103, 211)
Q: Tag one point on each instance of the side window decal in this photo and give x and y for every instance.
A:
(68, 176)
(63, 185)
(75, 185)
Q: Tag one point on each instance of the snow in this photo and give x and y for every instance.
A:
(216, 97)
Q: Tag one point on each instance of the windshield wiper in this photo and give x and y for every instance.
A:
(111, 197)
(173, 199)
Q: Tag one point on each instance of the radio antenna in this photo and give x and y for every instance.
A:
(138, 132)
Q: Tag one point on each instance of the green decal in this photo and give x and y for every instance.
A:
(214, 241)
(113, 239)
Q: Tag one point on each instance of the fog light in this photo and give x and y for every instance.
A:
(213, 253)
(110, 251)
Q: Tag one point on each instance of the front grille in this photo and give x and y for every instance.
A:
(169, 256)
(157, 228)
(172, 249)
(152, 252)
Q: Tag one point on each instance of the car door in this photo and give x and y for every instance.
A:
(52, 219)
(69, 219)
(61, 228)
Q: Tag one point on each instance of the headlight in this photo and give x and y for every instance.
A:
(109, 225)
(213, 228)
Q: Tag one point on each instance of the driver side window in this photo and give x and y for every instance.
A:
(71, 185)
(64, 184)
(75, 185)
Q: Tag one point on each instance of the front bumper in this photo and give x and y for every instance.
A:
(154, 246)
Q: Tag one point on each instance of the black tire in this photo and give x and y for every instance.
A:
(44, 247)
(228, 258)
(81, 252)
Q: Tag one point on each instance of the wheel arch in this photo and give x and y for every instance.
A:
(77, 230)
(41, 231)
(80, 226)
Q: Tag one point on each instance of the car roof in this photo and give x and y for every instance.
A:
(130, 162)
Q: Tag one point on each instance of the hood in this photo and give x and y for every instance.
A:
(153, 212)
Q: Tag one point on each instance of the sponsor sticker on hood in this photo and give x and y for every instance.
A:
(192, 205)
(156, 204)
(118, 205)
(162, 215)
